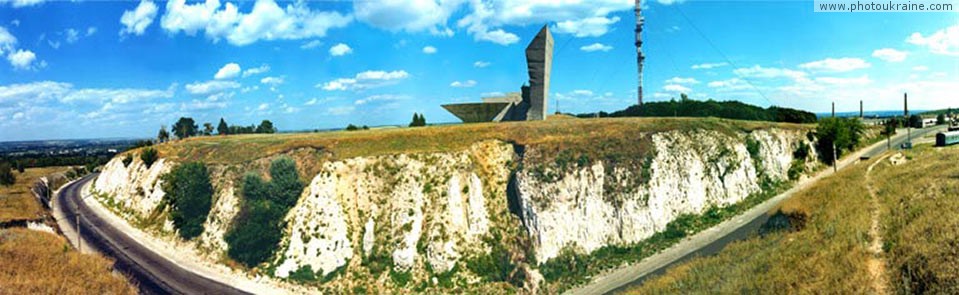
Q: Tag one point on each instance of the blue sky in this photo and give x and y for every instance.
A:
(122, 69)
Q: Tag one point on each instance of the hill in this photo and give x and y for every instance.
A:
(710, 108)
(474, 208)
(878, 227)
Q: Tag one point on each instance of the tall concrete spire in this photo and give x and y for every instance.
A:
(539, 62)
(639, 49)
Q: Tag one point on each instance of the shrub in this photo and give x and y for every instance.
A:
(845, 133)
(189, 194)
(127, 160)
(149, 156)
(304, 274)
(6, 174)
(258, 228)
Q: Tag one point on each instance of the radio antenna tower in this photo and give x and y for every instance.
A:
(639, 49)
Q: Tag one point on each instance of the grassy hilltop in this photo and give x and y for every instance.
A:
(589, 136)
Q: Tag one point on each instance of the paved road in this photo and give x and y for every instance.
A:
(713, 240)
(153, 273)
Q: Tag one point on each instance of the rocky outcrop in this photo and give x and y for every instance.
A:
(428, 214)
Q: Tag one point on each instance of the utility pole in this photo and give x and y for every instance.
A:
(905, 105)
(639, 50)
(835, 166)
(860, 110)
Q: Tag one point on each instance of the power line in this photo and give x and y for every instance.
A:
(711, 44)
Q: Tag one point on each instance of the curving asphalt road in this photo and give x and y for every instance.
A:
(713, 240)
(153, 273)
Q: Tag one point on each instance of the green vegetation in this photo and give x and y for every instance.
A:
(163, 135)
(189, 195)
(222, 128)
(686, 107)
(352, 127)
(6, 174)
(127, 160)
(495, 266)
(845, 133)
(258, 228)
(418, 120)
(572, 267)
(184, 128)
(148, 156)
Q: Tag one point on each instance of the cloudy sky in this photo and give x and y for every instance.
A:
(123, 68)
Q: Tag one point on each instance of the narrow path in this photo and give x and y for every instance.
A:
(876, 263)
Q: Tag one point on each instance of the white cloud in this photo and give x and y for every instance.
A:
(757, 71)
(837, 65)
(587, 27)
(945, 41)
(22, 3)
(677, 88)
(708, 66)
(481, 64)
(681, 80)
(137, 20)
(429, 50)
(596, 47)
(365, 80)
(380, 97)
(340, 111)
(409, 16)
(272, 81)
(464, 84)
(486, 18)
(340, 50)
(72, 35)
(311, 44)
(862, 80)
(211, 87)
(733, 84)
(256, 71)
(22, 59)
(228, 71)
(890, 55)
(263, 107)
(920, 68)
(670, 2)
(7, 40)
(91, 31)
(265, 21)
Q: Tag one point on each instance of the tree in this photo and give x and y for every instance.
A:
(842, 133)
(6, 175)
(890, 126)
(207, 129)
(418, 120)
(189, 194)
(265, 127)
(184, 128)
(915, 121)
(163, 135)
(352, 127)
(222, 128)
(19, 166)
(941, 119)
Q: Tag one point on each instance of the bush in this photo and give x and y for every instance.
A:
(258, 228)
(127, 160)
(149, 156)
(189, 194)
(845, 133)
(6, 174)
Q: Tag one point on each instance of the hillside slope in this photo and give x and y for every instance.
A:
(445, 208)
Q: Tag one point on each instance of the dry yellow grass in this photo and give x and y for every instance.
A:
(826, 257)
(917, 206)
(346, 144)
(34, 262)
(17, 202)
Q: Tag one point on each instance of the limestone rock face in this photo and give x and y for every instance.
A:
(136, 187)
(689, 173)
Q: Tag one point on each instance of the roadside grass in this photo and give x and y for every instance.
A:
(920, 228)
(43, 263)
(826, 256)
(583, 134)
(17, 202)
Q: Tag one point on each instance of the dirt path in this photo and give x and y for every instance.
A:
(876, 263)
